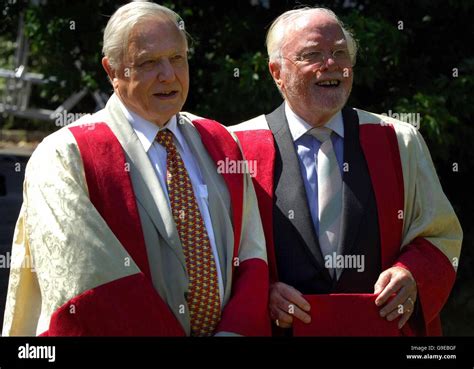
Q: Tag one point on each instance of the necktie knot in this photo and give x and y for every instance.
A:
(322, 134)
(165, 138)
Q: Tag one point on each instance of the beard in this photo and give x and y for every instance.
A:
(305, 94)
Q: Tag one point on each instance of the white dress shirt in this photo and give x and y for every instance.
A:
(146, 132)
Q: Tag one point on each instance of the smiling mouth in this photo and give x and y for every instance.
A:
(166, 94)
(329, 84)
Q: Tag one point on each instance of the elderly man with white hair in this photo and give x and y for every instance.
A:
(129, 227)
(361, 239)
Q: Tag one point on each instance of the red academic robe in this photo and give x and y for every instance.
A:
(131, 306)
(398, 162)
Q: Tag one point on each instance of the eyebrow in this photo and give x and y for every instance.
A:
(340, 42)
(147, 54)
(143, 54)
(311, 44)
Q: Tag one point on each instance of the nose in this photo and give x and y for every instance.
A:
(166, 71)
(328, 62)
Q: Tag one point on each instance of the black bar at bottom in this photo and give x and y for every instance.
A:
(320, 352)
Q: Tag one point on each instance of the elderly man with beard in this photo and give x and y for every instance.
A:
(337, 184)
(131, 229)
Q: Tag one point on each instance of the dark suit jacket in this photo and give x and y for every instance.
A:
(300, 262)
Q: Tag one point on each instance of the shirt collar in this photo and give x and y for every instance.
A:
(298, 126)
(146, 130)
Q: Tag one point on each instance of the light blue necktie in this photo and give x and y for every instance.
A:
(329, 195)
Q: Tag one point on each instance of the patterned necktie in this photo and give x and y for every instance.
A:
(329, 194)
(203, 297)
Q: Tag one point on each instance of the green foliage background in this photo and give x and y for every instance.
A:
(402, 70)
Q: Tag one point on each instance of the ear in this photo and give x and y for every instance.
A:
(109, 70)
(275, 69)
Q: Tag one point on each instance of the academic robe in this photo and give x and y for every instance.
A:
(394, 211)
(97, 229)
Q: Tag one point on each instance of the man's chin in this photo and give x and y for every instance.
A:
(329, 106)
(165, 114)
(330, 100)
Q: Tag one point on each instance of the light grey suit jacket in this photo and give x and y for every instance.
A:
(167, 262)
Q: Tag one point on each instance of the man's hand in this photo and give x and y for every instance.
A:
(400, 281)
(286, 302)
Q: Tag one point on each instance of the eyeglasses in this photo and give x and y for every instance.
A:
(317, 58)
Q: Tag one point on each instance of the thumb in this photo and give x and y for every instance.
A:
(382, 281)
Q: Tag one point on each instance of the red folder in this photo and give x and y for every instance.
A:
(345, 315)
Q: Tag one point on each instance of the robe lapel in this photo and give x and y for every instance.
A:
(146, 185)
(290, 193)
(218, 197)
(356, 182)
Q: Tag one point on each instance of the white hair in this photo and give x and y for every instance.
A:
(120, 25)
(277, 32)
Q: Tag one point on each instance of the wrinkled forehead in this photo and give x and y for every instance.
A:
(316, 29)
(154, 34)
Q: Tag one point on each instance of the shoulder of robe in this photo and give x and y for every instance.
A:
(61, 144)
(406, 133)
(190, 118)
(253, 124)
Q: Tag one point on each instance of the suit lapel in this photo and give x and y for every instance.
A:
(146, 185)
(290, 193)
(356, 182)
